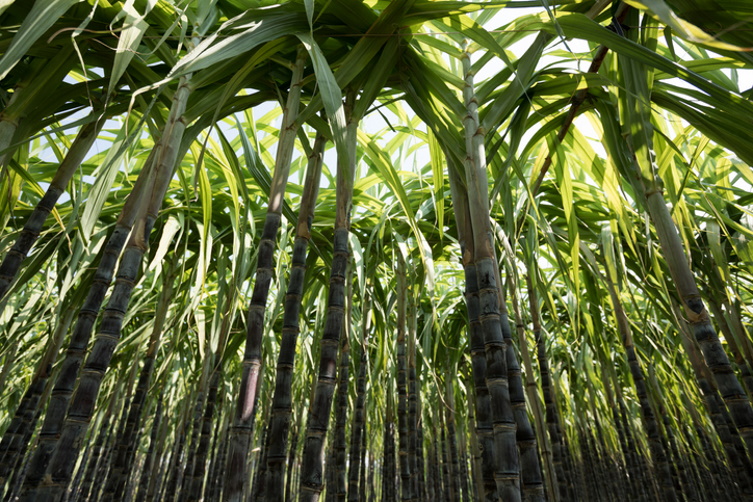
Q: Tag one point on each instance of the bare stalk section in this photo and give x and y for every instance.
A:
(16, 437)
(507, 470)
(125, 448)
(402, 383)
(282, 401)
(532, 393)
(82, 330)
(311, 482)
(482, 400)
(648, 415)
(638, 133)
(358, 432)
(62, 461)
(72, 161)
(698, 317)
(550, 407)
(243, 422)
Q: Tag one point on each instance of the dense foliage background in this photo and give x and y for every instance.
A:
(261, 249)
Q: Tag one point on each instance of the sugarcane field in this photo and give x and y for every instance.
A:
(372, 250)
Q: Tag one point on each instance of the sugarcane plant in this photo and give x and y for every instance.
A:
(347, 250)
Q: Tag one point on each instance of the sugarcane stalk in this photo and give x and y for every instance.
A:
(87, 315)
(731, 442)
(338, 460)
(17, 254)
(357, 431)
(414, 446)
(311, 483)
(531, 388)
(282, 403)
(402, 382)
(243, 421)
(62, 460)
(648, 416)
(124, 450)
(533, 485)
(147, 478)
(196, 478)
(698, 318)
(16, 437)
(559, 447)
(507, 473)
(482, 400)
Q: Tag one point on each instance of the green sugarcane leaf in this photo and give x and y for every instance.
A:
(437, 171)
(41, 17)
(4, 4)
(578, 25)
(105, 177)
(240, 35)
(331, 94)
(685, 29)
(24, 174)
(201, 331)
(309, 5)
(169, 231)
(134, 27)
